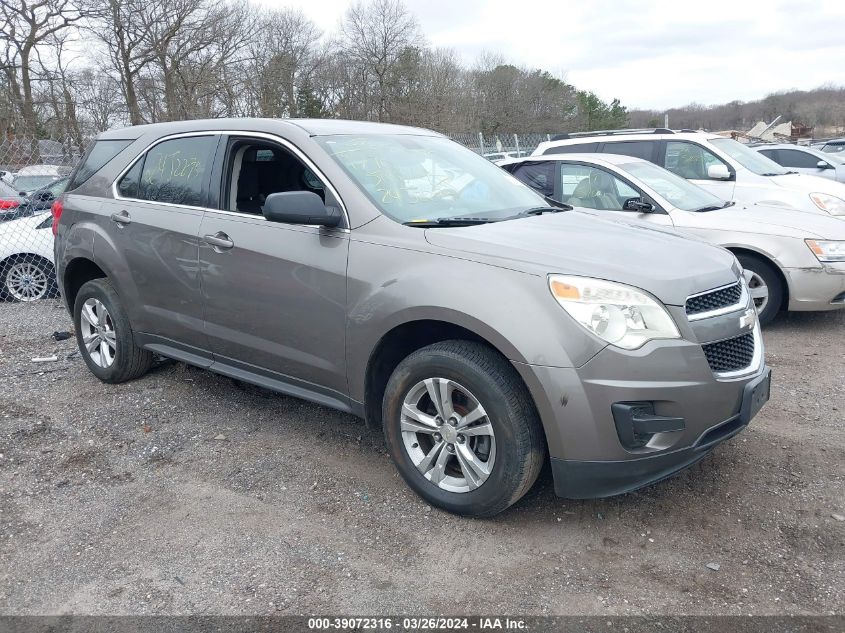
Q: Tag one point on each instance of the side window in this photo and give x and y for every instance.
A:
(690, 160)
(593, 188)
(539, 176)
(797, 158)
(129, 185)
(100, 153)
(771, 154)
(573, 149)
(175, 171)
(255, 169)
(637, 149)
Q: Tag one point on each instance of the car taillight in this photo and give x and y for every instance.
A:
(56, 210)
(9, 204)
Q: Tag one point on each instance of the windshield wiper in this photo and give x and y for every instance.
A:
(713, 207)
(441, 222)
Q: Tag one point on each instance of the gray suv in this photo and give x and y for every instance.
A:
(389, 272)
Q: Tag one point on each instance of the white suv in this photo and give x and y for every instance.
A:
(726, 168)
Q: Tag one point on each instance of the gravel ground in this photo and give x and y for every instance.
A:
(185, 492)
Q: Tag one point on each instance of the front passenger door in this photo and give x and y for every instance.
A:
(596, 188)
(275, 294)
(691, 161)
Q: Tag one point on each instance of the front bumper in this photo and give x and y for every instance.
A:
(672, 378)
(818, 288)
(576, 479)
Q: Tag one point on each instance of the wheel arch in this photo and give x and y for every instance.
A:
(77, 273)
(397, 344)
(767, 258)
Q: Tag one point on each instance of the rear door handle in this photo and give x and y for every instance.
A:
(220, 241)
(121, 218)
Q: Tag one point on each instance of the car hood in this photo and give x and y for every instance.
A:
(663, 263)
(770, 220)
(810, 184)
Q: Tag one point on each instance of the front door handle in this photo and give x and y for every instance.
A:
(121, 218)
(220, 241)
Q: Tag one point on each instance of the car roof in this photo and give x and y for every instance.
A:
(587, 157)
(313, 127)
(606, 137)
(785, 146)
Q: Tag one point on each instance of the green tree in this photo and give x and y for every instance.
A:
(595, 114)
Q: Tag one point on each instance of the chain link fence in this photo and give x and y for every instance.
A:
(33, 173)
(503, 145)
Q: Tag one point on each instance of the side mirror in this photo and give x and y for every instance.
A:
(824, 165)
(300, 207)
(718, 172)
(638, 205)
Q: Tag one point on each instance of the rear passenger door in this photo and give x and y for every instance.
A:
(275, 294)
(152, 224)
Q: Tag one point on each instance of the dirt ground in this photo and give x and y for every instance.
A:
(185, 492)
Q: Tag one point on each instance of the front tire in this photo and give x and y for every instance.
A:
(104, 336)
(462, 428)
(765, 286)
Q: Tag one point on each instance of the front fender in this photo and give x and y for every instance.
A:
(513, 311)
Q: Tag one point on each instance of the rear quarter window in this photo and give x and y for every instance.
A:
(97, 156)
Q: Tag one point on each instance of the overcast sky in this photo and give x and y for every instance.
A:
(648, 53)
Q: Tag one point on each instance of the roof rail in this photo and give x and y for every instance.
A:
(656, 130)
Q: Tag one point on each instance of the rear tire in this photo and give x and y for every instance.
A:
(765, 286)
(104, 335)
(492, 460)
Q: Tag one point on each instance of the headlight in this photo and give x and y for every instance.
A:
(621, 315)
(827, 251)
(826, 202)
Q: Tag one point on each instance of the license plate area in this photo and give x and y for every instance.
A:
(755, 395)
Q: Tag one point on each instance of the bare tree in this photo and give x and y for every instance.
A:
(24, 27)
(376, 35)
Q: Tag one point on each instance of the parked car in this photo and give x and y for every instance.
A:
(10, 202)
(42, 199)
(482, 329)
(34, 177)
(791, 259)
(834, 146)
(722, 166)
(495, 157)
(26, 258)
(805, 160)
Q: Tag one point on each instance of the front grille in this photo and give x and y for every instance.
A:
(730, 355)
(710, 301)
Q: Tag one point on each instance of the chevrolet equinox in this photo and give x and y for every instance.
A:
(389, 272)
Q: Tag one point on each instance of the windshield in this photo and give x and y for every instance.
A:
(31, 183)
(427, 178)
(679, 191)
(748, 158)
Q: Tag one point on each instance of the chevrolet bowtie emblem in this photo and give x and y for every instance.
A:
(748, 319)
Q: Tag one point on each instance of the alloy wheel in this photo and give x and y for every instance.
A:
(27, 281)
(98, 334)
(758, 289)
(448, 435)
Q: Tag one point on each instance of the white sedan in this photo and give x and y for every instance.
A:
(793, 259)
(26, 258)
